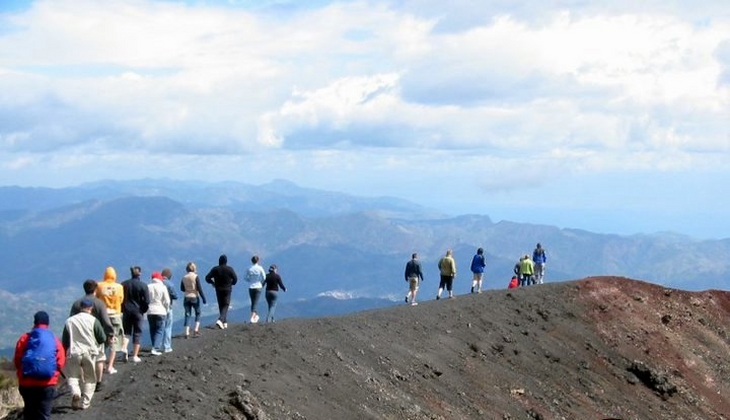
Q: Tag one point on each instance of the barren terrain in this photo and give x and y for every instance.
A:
(596, 348)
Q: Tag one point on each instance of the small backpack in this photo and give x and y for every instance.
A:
(39, 359)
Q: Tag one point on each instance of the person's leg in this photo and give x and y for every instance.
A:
(167, 337)
(33, 402)
(442, 284)
(196, 331)
(188, 307)
(45, 406)
(450, 285)
(157, 331)
(117, 342)
(271, 298)
(254, 294)
(73, 379)
(137, 319)
(88, 379)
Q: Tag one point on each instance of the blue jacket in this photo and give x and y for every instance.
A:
(478, 263)
(538, 256)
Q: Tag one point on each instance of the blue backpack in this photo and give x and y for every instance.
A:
(39, 359)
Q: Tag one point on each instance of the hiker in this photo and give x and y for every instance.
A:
(192, 295)
(272, 283)
(37, 381)
(413, 275)
(223, 278)
(135, 305)
(167, 337)
(255, 276)
(159, 305)
(447, 269)
(83, 337)
(539, 258)
(514, 283)
(100, 313)
(112, 294)
(478, 262)
(527, 269)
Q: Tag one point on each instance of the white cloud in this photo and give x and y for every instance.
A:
(494, 96)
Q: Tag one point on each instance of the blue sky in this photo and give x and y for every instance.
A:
(606, 116)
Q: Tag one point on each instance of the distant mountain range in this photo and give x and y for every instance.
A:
(51, 240)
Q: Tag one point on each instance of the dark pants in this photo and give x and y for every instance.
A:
(271, 297)
(254, 294)
(191, 304)
(132, 322)
(157, 330)
(224, 301)
(446, 282)
(38, 401)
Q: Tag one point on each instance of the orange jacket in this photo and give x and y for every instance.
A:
(110, 292)
(17, 360)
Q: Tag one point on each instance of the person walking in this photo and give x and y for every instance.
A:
(135, 305)
(112, 294)
(255, 276)
(413, 275)
(83, 337)
(167, 338)
(539, 258)
(447, 270)
(37, 380)
(272, 283)
(527, 269)
(478, 262)
(192, 295)
(159, 305)
(99, 311)
(223, 278)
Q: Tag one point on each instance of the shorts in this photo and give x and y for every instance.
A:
(413, 284)
(446, 282)
(133, 326)
(100, 355)
(118, 331)
(478, 276)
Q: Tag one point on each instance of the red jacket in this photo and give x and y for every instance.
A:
(20, 349)
(513, 283)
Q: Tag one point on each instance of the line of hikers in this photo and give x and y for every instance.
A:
(110, 315)
(527, 271)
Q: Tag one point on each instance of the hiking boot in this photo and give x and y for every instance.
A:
(76, 402)
(99, 387)
(438, 297)
(472, 289)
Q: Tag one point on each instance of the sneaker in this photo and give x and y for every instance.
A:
(406, 299)
(111, 371)
(414, 303)
(155, 352)
(219, 324)
(136, 359)
(76, 402)
(99, 387)
(472, 289)
(168, 350)
(225, 325)
(438, 297)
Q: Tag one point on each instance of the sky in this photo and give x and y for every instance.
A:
(607, 116)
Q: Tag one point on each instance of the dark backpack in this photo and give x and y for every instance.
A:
(39, 358)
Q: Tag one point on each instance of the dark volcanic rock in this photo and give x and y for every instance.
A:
(596, 348)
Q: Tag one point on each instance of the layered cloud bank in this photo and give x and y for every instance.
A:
(518, 110)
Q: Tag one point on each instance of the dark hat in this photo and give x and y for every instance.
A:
(41, 318)
(86, 303)
(272, 268)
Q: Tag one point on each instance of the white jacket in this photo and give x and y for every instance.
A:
(159, 298)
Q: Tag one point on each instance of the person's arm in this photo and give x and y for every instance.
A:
(200, 290)
(66, 338)
(99, 332)
(60, 355)
(233, 276)
(281, 283)
(171, 290)
(19, 350)
(209, 277)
